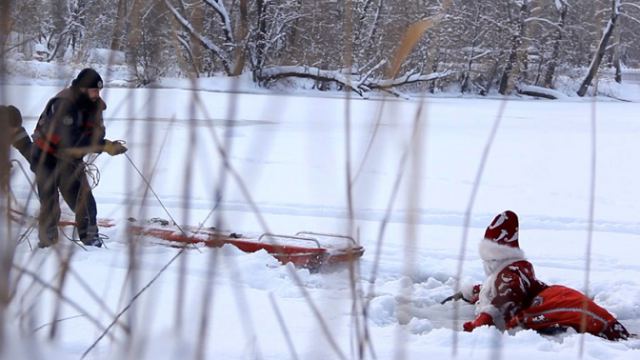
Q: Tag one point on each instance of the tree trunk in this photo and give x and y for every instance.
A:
(260, 38)
(511, 64)
(434, 68)
(240, 39)
(492, 76)
(515, 63)
(5, 24)
(602, 47)
(553, 62)
(618, 66)
(118, 30)
(616, 58)
(466, 76)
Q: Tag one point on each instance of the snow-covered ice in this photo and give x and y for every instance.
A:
(290, 153)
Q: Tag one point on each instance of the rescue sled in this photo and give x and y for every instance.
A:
(306, 249)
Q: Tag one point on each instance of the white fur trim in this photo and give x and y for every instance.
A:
(496, 257)
(488, 292)
(467, 291)
(489, 250)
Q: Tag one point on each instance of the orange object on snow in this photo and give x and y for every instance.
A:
(305, 249)
(560, 306)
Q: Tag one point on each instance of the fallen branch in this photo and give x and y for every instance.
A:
(281, 72)
(357, 84)
(541, 92)
(409, 79)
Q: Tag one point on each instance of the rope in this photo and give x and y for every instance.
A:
(154, 193)
(93, 174)
(91, 169)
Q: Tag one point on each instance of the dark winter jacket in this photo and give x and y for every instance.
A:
(70, 120)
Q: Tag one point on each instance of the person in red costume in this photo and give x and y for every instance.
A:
(511, 295)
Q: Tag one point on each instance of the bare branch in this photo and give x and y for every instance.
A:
(630, 5)
(218, 6)
(410, 79)
(206, 42)
(627, 16)
(539, 19)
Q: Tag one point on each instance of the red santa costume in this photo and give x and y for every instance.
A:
(512, 296)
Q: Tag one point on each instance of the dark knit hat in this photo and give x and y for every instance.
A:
(88, 78)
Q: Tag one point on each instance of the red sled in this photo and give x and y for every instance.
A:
(305, 249)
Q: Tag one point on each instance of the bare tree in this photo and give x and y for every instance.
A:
(149, 45)
(602, 47)
(562, 8)
(515, 63)
(544, 39)
(219, 46)
(119, 29)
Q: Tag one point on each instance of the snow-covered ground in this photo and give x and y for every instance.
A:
(291, 155)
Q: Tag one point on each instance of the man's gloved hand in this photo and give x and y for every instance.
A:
(114, 147)
(482, 319)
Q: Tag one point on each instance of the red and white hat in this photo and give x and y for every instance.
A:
(501, 238)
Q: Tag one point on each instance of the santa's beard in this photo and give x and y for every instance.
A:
(490, 266)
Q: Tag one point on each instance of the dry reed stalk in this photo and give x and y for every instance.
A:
(467, 216)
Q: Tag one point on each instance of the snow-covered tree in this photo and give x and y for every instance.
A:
(602, 47)
(482, 46)
(149, 47)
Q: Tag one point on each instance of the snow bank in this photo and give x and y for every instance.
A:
(113, 65)
(625, 91)
(35, 72)
(106, 57)
(289, 151)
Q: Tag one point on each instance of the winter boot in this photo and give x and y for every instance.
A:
(90, 237)
(92, 241)
(48, 238)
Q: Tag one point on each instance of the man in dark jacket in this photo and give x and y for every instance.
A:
(70, 127)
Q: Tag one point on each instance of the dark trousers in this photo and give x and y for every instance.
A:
(67, 177)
